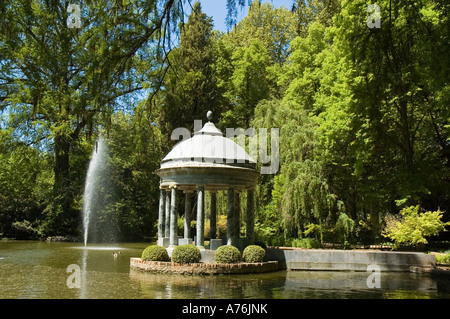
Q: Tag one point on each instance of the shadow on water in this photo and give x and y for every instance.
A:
(39, 270)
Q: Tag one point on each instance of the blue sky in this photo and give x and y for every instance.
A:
(217, 9)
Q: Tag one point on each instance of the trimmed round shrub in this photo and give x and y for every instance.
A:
(227, 255)
(253, 254)
(186, 254)
(155, 253)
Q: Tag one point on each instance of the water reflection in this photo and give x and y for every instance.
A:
(83, 287)
(287, 285)
(353, 284)
(175, 286)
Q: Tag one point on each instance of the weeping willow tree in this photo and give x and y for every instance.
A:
(301, 202)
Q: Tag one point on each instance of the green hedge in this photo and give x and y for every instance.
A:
(227, 255)
(306, 243)
(186, 254)
(253, 254)
(443, 259)
(155, 253)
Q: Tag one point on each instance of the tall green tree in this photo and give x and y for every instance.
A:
(190, 88)
(250, 83)
(62, 79)
(274, 27)
(251, 56)
(306, 12)
(400, 98)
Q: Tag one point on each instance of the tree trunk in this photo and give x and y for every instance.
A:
(61, 186)
(406, 138)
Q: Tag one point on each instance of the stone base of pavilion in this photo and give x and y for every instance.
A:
(203, 268)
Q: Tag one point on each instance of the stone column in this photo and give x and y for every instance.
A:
(167, 220)
(237, 218)
(200, 217)
(173, 218)
(250, 222)
(230, 218)
(162, 202)
(187, 214)
(213, 217)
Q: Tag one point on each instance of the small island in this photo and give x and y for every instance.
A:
(185, 259)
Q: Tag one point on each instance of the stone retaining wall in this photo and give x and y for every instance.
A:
(203, 268)
(350, 260)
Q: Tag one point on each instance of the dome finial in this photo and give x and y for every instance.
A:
(209, 116)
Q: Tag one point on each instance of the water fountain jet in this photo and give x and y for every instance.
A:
(91, 184)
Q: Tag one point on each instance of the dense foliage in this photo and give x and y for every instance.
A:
(411, 228)
(443, 258)
(362, 111)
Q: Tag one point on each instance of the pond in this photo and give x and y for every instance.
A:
(38, 270)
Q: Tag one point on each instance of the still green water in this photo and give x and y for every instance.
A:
(39, 270)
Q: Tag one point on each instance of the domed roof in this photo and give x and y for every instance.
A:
(208, 146)
(208, 158)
